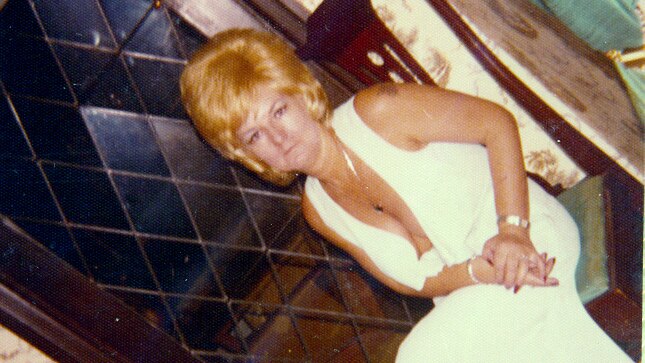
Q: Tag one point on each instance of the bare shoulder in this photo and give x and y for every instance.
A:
(398, 97)
(370, 98)
(415, 107)
(410, 104)
(386, 100)
(389, 91)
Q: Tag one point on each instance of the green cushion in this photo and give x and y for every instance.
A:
(634, 79)
(603, 24)
(585, 203)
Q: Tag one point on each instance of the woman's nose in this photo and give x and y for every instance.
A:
(278, 132)
(278, 136)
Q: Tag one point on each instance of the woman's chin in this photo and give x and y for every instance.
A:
(296, 162)
(292, 169)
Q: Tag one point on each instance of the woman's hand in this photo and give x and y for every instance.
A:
(484, 272)
(514, 257)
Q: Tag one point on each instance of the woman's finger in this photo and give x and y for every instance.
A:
(489, 251)
(537, 263)
(534, 280)
(522, 271)
(499, 262)
(552, 281)
(549, 265)
(512, 265)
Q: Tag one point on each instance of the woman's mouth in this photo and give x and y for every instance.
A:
(292, 154)
(290, 150)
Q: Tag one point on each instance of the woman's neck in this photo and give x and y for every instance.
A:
(331, 167)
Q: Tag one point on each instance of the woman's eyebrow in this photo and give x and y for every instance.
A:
(268, 112)
(254, 116)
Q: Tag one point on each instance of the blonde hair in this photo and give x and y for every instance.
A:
(218, 86)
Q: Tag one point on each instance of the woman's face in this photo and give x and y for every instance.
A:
(280, 131)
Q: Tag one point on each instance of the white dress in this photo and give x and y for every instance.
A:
(449, 189)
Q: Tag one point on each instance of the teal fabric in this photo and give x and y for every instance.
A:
(541, 5)
(585, 203)
(603, 24)
(634, 79)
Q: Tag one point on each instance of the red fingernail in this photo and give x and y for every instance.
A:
(554, 282)
(516, 289)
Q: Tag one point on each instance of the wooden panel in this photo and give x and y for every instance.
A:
(620, 318)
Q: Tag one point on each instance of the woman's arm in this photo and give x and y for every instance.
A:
(427, 114)
(449, 279)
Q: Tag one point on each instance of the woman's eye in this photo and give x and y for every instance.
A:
(280, 111)
(253, 137)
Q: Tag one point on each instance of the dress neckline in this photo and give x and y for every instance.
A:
(350, 165)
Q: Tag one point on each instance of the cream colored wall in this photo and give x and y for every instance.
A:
(15, 350)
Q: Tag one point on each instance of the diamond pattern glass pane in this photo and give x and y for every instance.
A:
(330, 339)
(18, 17)
(158, 83)
(114, 259)
(366, 296)
(57, 239)
(78, 21)
(308, 283)
(12, 140)
(206, 324)
(188, 156)
(24, 192)
(269, 332)
(154, 206)
(150, 306)
(181, 268)
(28, 67)
(126, 141)
(86, 196)
(245, 274)
(99, 78)
(72, 143)
(220, 215)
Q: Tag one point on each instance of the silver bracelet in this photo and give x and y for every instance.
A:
(470, 270)
(514, 221)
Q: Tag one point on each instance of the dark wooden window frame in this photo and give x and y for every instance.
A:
(61, 312)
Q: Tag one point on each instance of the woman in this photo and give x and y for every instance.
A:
(424, 187)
